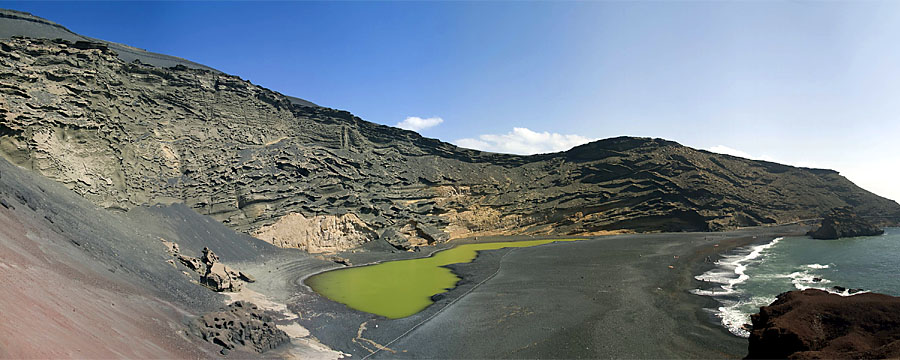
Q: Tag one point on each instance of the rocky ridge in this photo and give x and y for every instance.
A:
(128, 134)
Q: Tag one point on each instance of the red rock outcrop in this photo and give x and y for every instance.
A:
(816, 324)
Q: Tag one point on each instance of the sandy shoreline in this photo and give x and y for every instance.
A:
(612, 296)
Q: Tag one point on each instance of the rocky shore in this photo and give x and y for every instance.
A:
(843, 222)
(814, 324)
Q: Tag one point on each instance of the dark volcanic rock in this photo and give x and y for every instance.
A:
(393, 237)
(240, 325)
(125, 134)
(842, 222)
(816, 324)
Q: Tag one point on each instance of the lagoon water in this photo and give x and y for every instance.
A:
(397, 289)
(752, 277)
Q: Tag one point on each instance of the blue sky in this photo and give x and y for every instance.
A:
(803, 83)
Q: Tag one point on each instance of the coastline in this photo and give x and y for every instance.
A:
(593, 298)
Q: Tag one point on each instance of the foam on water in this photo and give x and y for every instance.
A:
(731, 271)
(747, 278)
(818, 266)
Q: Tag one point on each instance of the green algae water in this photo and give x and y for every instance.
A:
(397, 289)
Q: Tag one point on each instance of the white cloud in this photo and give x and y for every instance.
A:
(523, 141)
(416, 123)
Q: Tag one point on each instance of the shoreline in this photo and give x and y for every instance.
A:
(434, 250)
(642, 259)
(744, 281)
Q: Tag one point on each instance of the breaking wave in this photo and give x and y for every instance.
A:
(731, 271)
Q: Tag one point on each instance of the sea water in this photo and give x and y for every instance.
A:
(750, 277)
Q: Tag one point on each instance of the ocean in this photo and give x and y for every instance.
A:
(750, 277)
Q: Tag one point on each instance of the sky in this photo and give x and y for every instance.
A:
(813, 84)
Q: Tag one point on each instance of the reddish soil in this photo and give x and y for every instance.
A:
(57, 302)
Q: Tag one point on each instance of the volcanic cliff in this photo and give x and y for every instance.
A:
(124, 133)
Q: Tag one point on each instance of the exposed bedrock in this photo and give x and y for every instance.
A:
(814, 324)
(128, 134)
(842, 222)
(317, 234)
(240, 326)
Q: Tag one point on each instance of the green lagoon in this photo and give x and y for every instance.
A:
(397, 289)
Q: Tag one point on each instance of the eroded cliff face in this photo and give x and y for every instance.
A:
(124, 134)
(318, 234)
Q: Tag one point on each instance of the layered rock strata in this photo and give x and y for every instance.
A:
(127, 134)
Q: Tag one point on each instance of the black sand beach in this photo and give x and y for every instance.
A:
(609, 297)
(613, 296)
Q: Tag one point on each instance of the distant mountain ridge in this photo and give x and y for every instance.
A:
(124, 134)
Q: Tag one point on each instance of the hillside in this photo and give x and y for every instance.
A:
(124, 134)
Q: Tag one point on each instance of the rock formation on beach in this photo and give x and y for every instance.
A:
(213, 274)
(814, 324)
(842, 222)
(127, 133)
(242, 326)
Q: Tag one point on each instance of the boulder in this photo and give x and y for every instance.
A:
(191, 262)
(431, 233)
(242, 326)
(843, 222)
(340, 260)
(817, 324)
(171, 247)
(397, 240)
(413, 234)
(219, 277)
(246, 277)
(209, 257)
